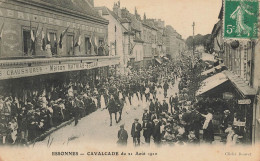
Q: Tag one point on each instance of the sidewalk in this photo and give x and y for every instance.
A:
(50, 131)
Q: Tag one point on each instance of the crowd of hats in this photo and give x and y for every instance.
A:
(46, 109)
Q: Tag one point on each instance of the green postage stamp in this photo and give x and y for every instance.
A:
(241, 19)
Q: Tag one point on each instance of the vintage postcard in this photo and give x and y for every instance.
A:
(105, 80)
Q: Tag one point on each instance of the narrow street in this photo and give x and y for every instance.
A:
(95, 129)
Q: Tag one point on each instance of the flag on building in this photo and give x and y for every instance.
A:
(62, 35)
(43, 41)
(48, 38)
(106, 47)
(93, 45)
(37, 33)
(31, 32)
(32, 49)
(1, 31)
(55, 38)
(78, 39)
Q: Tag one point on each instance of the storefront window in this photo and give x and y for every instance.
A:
(70, 44)
(52, 41)
(28, 44)
(87, 46)
(100, 47)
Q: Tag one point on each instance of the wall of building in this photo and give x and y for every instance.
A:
(116, 40)
(174, 43)
(18, 17)
(147, 38)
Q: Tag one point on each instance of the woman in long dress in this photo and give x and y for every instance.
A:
(232, 136)
(102, 102)
(160, 95)
(135, 100)
(13, 127)
(127, 105)
(208, 133)
(139, 99)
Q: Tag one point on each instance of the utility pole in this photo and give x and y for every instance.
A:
(193, 45)
(129, 45)
(115, 41)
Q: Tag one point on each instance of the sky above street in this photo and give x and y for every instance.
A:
(178, 13)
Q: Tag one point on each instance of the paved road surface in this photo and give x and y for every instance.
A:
(94, 128)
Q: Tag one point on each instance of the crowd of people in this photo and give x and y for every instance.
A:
(167, 119)
(24, 120)
(175, 117)
(170, 117)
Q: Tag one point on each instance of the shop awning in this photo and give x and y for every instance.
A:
(240, 84)
(165, 58)
(158, 60)
(208, 57)
(212, 82)
(212, 70)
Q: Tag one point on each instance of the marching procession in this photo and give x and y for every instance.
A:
(170, 116)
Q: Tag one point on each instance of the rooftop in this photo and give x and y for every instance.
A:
(79, 7)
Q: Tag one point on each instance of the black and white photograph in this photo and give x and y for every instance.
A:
(129, 80)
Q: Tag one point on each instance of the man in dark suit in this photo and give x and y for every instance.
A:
(151, 106)
(135, 132)
(157, 107)
(156, 132)
(171, 102)
(122, 136)
(165, 87)
(176, 102)
(147, 127)
(146, 115)
(165, 106)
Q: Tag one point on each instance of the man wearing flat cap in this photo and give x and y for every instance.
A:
(135, 132)
(146, 115)
(122, 136)
(156, 131)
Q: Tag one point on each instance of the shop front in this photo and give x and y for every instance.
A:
(24, 81)
(223, 92)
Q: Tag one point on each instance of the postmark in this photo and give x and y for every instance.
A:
(241, 19)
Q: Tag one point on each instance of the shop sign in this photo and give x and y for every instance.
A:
(239, 123)
(54, 68)
(227, 95)
(244, 102)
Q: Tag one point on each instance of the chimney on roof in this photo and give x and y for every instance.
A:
(137, 16)
(117, 10)
(144, 17)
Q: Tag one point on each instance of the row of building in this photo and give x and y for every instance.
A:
(139, 41)
(48, 42)
(242, 60)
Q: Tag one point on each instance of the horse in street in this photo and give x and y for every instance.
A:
(115, 105)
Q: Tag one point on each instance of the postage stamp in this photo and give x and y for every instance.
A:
(241, 19)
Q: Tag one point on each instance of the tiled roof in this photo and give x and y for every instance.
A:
(137, 39)
(240, 84)
(149, 24)
(104, 10)
(125, 20)
(76, 6)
